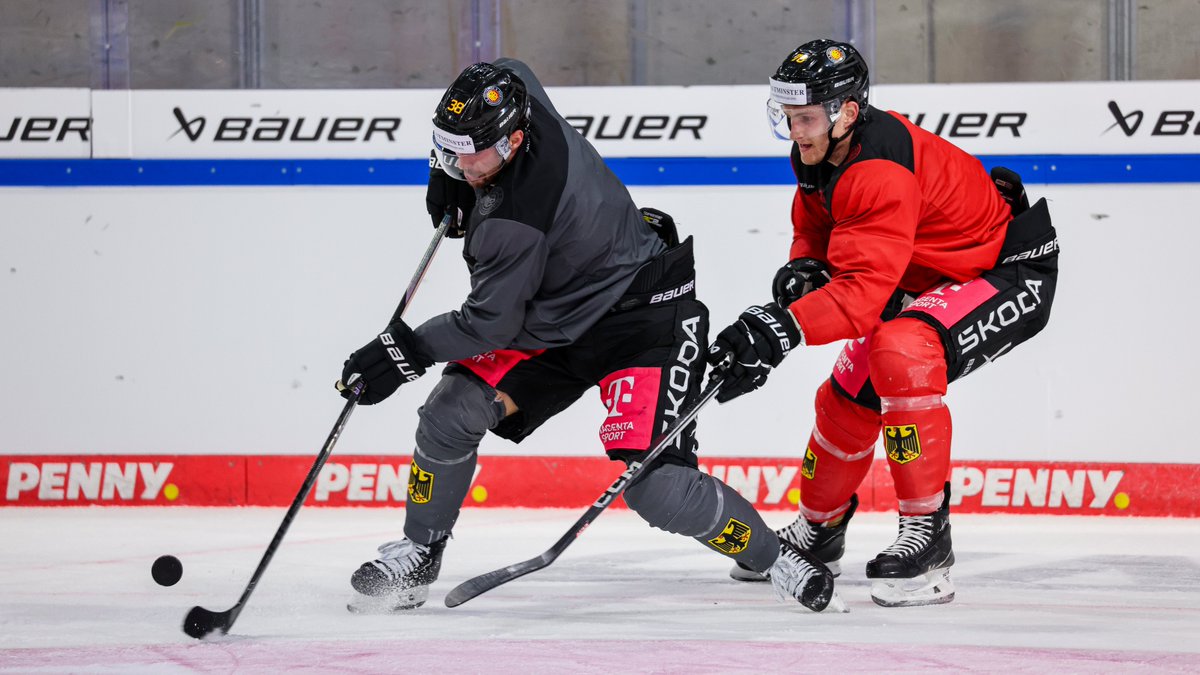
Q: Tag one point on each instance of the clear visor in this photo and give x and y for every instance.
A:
(802, 121)
(475, 167)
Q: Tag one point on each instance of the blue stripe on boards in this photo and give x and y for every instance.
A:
(214, 172)
(1037, 169)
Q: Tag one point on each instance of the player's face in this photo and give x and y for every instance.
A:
(479, 168)
(808, 126)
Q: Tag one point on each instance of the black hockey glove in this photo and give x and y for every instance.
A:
(797, 279)
(384, 364)
(757, 342)
(1012, 190)
(663, 225)
(445, 193)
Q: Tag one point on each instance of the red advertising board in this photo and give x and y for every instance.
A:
(533, 482)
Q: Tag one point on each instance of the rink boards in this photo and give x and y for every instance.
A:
(1066, 488)
(177, 299)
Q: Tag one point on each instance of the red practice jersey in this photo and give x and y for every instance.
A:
(905, 210)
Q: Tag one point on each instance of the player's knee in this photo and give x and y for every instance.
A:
(845, 423)
(457, 414)
(907, 360)
(674, 499)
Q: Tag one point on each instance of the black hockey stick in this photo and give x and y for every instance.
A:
(485, 582)
(200, 621)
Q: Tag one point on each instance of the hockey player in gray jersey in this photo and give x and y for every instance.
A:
(571, 288)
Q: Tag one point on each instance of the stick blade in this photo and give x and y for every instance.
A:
(485, 582)
(201, 622)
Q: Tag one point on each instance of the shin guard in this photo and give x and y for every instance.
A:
(683, 500)
(838, 455)
(457, 414)
(908, 369)
(917, 442)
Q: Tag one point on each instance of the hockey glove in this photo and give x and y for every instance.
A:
(797, 279)
(663, 225)
(757, 342)
(447, 194)
(1011, 189)
(384, 364)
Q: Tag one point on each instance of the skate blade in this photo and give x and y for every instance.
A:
(389, 603)
(739, 573)
(932, 588)
(836, 604)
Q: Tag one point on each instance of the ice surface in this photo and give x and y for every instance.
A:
(1035, 594)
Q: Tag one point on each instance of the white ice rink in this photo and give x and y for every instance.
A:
(1035, 594)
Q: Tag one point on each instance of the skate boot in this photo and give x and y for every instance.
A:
(827, 541)
(915, 570)
(798, 576)
(399, 579)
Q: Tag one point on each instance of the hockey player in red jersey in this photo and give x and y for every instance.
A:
(904, 246)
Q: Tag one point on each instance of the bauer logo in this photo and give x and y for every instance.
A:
(283, 129)
(971, 124)
(114, 482)
(44, 129)
(674, 293)
(1166, 122)
(639, 127)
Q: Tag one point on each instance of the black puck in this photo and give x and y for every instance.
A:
(167, 570)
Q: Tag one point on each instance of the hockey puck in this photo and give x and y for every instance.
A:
(167, 570)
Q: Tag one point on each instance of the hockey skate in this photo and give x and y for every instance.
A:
(915, 569)
(827, 541)
(798, 576)
(399, 579)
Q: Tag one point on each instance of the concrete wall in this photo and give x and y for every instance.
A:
(407, 43)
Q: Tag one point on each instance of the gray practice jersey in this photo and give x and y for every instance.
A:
(551, 246)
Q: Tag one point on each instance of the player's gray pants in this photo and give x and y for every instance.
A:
(690, 502)
(457, 414)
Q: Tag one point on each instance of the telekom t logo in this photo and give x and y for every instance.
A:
(620, 390)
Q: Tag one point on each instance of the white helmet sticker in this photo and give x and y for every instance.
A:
(462, 145)
(789, 93)
(504, 148)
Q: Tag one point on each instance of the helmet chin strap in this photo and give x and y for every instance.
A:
(833, 143)
(505, 150)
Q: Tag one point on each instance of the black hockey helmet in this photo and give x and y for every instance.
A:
(480, 110)
(825, 72)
